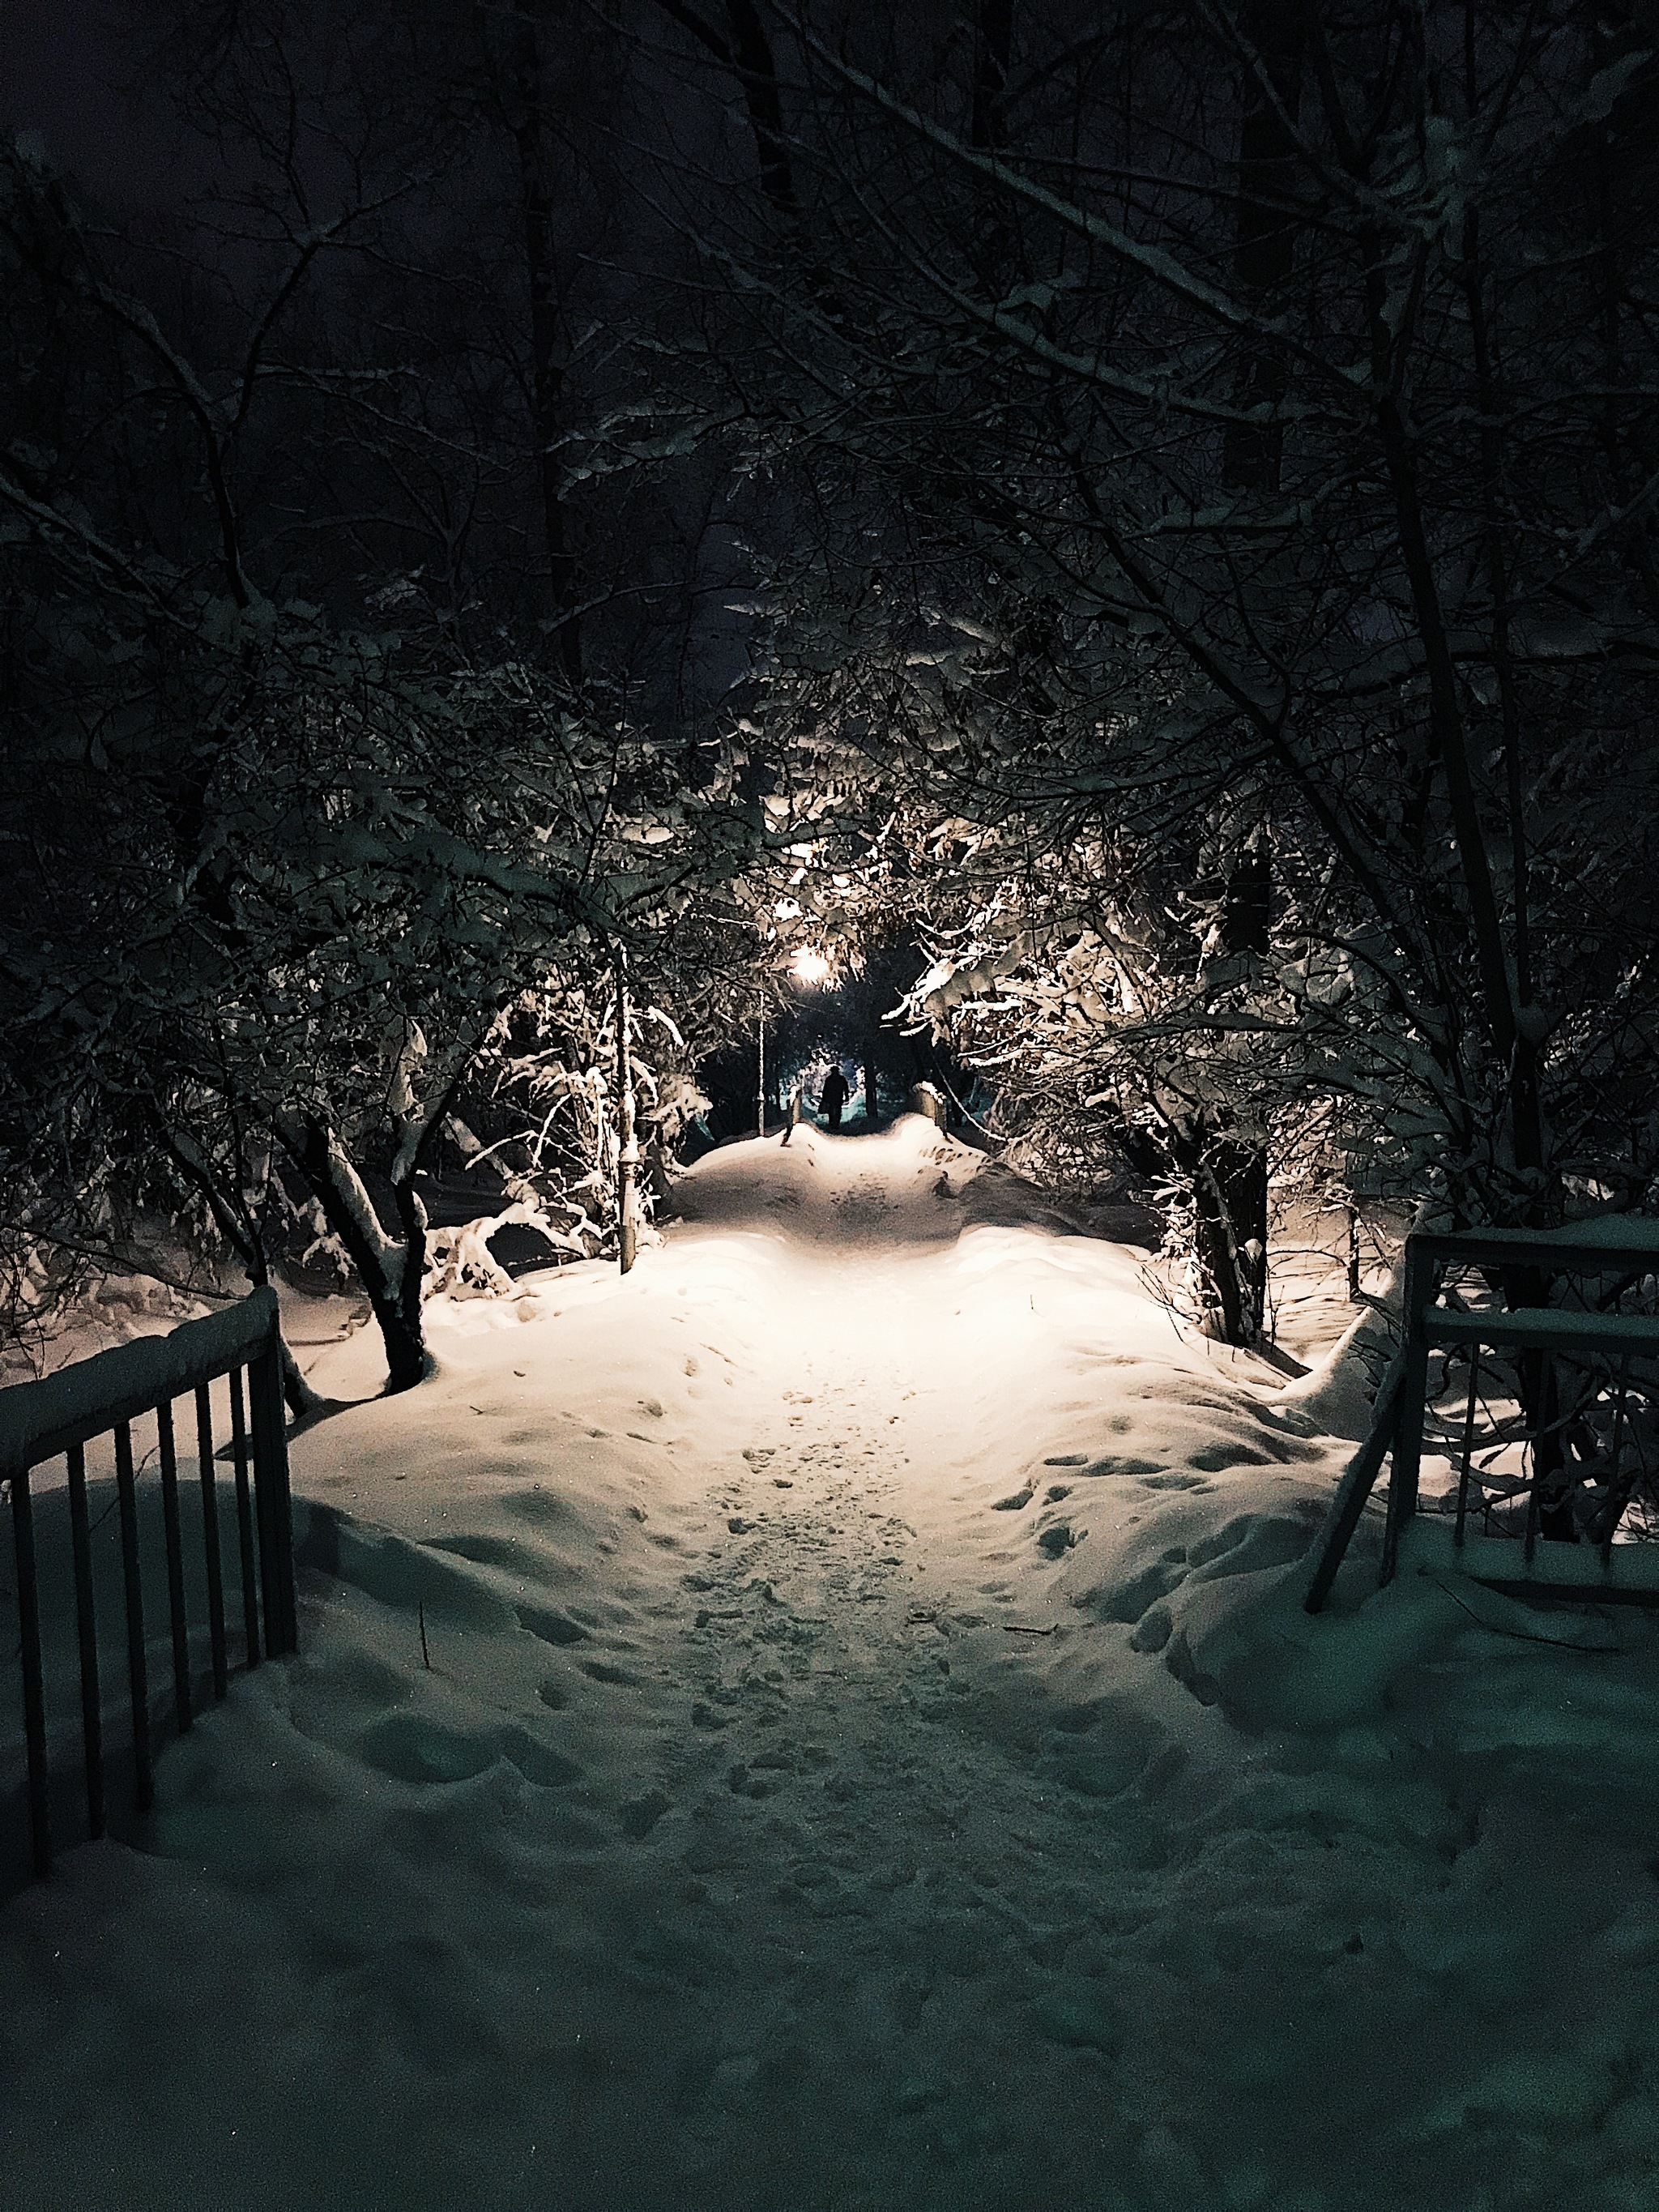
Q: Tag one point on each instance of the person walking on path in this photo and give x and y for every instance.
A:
(833, 1097)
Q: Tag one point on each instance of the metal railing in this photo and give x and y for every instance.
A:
(105, 1395)
(1613, 1356)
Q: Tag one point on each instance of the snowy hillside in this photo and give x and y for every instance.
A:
(872, 1755)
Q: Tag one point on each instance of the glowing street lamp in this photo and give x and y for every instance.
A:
(807, 967)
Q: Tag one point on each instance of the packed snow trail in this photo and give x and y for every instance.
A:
(872, 1756)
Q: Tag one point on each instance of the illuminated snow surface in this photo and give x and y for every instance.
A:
(744, 1847)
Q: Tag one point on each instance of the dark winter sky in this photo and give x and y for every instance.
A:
(58, 76)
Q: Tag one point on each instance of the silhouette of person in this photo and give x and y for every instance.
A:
(833, 1097)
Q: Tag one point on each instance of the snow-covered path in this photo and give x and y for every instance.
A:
(871, 1757)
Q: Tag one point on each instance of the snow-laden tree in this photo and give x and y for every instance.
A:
(1245, 419)
(379, 887)
(283, 895)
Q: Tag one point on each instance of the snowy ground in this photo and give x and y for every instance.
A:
(873, 1756)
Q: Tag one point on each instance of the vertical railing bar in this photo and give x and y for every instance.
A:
(1534, 1503)
(265, 1537)
(34, 1694)
(277, 1521)
(284, 1493)
(285, 1515)
(245, 1521)
(1468, 1446)
(1618, 1495)
(264, 1504)
(1548, 1423)
(86, 1623)
(216, 1576)
(138, 1675)
(284, 1498)
(164, 1444)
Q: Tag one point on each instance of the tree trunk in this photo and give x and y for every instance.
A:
(1230, 1171)
(751, 57)
(992, 44)
(748, 53)
(389, 1270)
(404, 1332)
(628, 1151)
(301, 1399)
(1229, 1179)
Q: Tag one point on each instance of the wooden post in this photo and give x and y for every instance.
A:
(137, 1673)
(239, 1442)
(34, 1702)
(176, 1619)
(212, 1563)
(1467, 1461)
(273, 1505)
(1355, 1487)
(759, 1095)
(86, 1622)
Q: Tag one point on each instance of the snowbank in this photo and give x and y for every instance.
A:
(1337, 1394)
(871, 1755)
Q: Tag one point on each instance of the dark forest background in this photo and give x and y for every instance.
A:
(1132, 528)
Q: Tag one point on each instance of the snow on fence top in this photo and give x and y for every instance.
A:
(40, 1419)
(1606, 1242)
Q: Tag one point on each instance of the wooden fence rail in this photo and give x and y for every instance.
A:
(105, 1395)
(1624, 1246)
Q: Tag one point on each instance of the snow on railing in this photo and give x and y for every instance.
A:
(105, 1395)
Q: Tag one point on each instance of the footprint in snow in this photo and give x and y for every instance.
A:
(548, 1626)
(1215, 1459)
(742, 1784)
(637, 1819)
(413, 1748)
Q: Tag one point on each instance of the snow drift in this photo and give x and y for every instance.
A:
(871, 1753)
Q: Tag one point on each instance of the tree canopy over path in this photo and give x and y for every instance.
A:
(1153, 508)
(871, 1754)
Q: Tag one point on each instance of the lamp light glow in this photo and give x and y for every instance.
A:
(811, 967)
